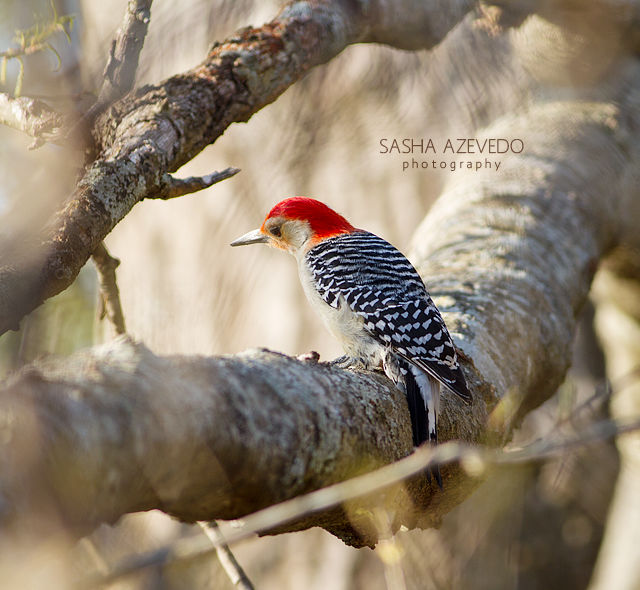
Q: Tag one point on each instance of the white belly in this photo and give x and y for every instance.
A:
(344, 324)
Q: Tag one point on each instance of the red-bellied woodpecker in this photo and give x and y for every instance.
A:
(371, 299)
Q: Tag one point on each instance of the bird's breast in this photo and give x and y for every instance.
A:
(343, 323)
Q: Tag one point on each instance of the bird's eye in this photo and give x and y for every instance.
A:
(276, 231)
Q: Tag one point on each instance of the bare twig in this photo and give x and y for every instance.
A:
(227, 559)
(120, 71)
(472, 458)
(31, 116)
(16, 52)
(36, 38)
(122, 65)
(109, 295)
(171, 187)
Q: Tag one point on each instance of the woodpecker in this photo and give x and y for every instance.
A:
(373, 301)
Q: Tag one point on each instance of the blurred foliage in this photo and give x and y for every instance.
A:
(60, 326)
(35, 39)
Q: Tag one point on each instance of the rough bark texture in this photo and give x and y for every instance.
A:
(29, 115)
(508, 258)
(120, 73)
(97, 435)
(158, 128)
(522, 247)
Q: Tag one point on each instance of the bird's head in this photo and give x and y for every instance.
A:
(297, 224)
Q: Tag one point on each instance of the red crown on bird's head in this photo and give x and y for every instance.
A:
(324, 221)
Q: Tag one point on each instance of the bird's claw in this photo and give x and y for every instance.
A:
(345, 362)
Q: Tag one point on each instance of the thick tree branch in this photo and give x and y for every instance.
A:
(95, 436)
(514, 266)
(253, 430)
(474, 459)
(159, 128)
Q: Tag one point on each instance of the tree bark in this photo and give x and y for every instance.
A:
(117, 429)
(508, 258)
(158, 128)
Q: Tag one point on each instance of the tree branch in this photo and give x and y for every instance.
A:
(227, 559)
(159, 128)
(109, 294)
(475, 460)
(514, 266)
(122, 65)
(121, 68)
(171, 187)
(107, 416)
(31, 116)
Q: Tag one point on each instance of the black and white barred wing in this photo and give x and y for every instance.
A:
(416, 331)
(379, 284)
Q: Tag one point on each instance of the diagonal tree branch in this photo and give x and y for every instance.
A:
(122, 65)
(227, 559)
(159, 128)
(121, 68)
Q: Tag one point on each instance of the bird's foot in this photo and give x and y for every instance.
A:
(346, 362)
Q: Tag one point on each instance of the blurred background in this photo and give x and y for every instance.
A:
(184, 290)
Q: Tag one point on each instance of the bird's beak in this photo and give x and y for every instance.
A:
(253, 237)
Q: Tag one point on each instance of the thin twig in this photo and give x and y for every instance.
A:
(227, 559)
(171, 187)
(473, 459)
(31, 116)
(109, 295)
(34, 40)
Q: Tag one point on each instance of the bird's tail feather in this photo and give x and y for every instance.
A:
(423, 394)
(417, 409)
